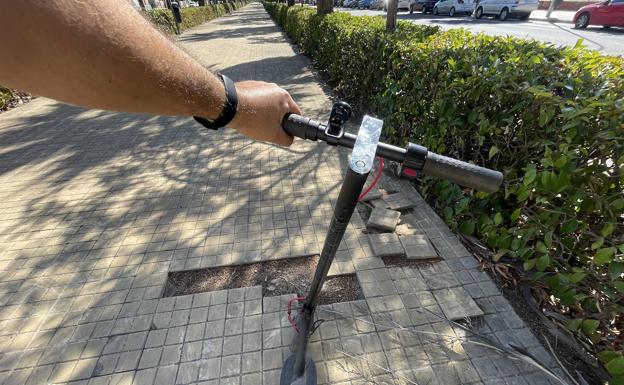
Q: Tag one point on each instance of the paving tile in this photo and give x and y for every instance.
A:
(383, 219)
(385, 245)
(398, 201)
(417, 246)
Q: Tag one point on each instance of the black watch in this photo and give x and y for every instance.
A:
(229, 109)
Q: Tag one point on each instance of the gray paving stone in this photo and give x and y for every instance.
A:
(150, 358)
(171, 354)
(398, 201)
(417, 246)
(230, 365)
(383, 219)
(209, 369)
(379, 203)
(166, 375)
(386, 245)
(457, 304)
(188, 373)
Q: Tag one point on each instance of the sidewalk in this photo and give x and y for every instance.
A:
(96, 208)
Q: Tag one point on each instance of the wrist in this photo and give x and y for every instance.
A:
(228, 108)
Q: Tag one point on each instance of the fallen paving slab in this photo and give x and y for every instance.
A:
(383, 219)
(399, 201)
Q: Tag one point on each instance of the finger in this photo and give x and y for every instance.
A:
(284, 139)
(294, 107)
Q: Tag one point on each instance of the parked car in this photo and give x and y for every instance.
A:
(425, 6)
(453, 7)
(505, 8)
(609, 13)
(364, 4)
(377, 4)
(402, 4)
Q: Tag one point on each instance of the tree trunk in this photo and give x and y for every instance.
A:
(391, 15)
(142, 5)
(324, 7)
(201, 2)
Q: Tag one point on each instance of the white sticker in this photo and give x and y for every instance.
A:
(363, 153)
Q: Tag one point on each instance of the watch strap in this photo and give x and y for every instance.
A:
(229, 108)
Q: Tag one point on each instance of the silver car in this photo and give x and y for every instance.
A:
(505, 8)
(453, 7)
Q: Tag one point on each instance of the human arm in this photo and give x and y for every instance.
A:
(104, 54)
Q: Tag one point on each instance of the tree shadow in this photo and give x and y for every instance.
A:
(97, 207)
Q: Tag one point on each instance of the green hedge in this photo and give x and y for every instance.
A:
(192, 16)
(5, 97)
(550, 118)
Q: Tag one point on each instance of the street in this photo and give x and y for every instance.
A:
(609, 41)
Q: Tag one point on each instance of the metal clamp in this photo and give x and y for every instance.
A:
(415, 156)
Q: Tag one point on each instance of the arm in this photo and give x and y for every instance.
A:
(103, 54)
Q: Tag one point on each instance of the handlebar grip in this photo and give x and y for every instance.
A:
(462, 173)
(301, 127)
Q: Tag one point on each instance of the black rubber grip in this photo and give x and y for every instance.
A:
(301, 127)
(462, 173)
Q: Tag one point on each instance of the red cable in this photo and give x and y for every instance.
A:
(288, 307)
(363, 194)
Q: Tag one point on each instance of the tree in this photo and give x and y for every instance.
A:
(391, 15)
(324, 7)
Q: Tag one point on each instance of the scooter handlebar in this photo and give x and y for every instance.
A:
(439, 166)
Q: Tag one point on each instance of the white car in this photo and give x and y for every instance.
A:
(401, 4)
(504, 8)
(453, 7)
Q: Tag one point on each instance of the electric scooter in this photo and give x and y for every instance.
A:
(298, 368)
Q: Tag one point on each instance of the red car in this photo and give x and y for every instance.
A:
(609, 13)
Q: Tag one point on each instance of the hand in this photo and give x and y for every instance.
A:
(261, 108)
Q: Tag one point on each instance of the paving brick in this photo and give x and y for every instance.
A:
(457, 304)
(417, 246)
(230, 365)
(385, 245)
(209, 369)
(383, 219)
(150, 358)
(166, 375)
(398, 201)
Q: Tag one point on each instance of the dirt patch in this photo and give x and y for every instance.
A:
(516, 288)
(284, 276)
(401, 261)
(569, 357)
